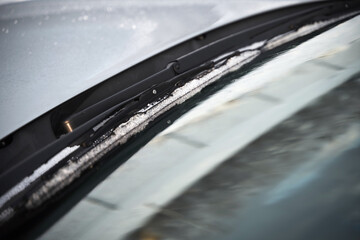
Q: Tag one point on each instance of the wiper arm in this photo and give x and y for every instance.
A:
(138, 95)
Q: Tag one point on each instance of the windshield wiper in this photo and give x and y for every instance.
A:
(126, 102)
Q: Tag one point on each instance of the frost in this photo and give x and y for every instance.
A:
(6, 214)
(134, 125)
(73, 169)
(36, 174)
(143, 117)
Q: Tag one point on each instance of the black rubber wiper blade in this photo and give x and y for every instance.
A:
(185, 63)
(83, 122)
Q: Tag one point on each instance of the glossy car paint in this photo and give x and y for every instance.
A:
(53, 50)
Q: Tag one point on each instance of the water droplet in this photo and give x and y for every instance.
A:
(168, 121)
(133, 26)
(16, 21)
(40, 23)
(154, 92)
(83, 18)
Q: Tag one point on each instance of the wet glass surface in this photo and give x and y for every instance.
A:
(298, 181)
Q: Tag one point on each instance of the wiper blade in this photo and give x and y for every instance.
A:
(122, 104)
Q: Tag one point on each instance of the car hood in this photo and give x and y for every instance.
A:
(53, 50)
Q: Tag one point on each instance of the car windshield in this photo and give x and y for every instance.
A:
(149, 121)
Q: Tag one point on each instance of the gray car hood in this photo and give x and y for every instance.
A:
(53, 50)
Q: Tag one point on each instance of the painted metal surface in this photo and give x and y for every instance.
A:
(54, 50)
